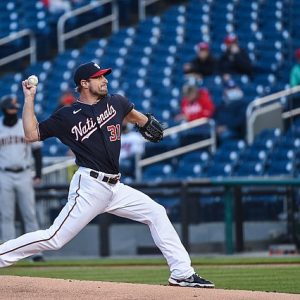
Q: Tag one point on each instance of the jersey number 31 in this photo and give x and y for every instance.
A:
(115, 132)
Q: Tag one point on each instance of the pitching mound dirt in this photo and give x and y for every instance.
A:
(28, 288)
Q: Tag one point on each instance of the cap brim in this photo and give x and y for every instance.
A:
(101, 72)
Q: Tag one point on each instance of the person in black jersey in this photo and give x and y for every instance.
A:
(91, 127)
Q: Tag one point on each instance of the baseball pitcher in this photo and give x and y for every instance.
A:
(91, 127)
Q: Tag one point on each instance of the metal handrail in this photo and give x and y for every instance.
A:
(185, 126)
(291, 113)
(62, 36)
(142, 8)
(58, 166)
(140, 163)
(175, 152)
(31, 50)
(267, 100)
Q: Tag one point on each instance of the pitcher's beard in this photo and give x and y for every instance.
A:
(100, 94)
(103, 94)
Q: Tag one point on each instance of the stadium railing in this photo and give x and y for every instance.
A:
(30, 50)
(209, 142)
(57, 169)
(63, 36)
(142, 8)
(269, 104)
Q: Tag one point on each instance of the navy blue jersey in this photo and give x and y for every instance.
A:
(91, 131)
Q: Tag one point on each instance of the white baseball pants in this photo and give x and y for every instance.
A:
(89, 197)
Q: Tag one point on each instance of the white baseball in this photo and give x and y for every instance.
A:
(33, 80)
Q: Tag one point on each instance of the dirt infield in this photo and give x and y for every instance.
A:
(28, 288)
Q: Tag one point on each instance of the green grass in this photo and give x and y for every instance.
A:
(197, 261)
(228, 273)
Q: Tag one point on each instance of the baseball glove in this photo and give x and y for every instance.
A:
(152, 130)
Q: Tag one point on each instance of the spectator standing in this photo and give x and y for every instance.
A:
(230, 113)
(16, 182)
(196, 103)
(295, 72)
(235, 60)
(203, 64)
(294, 100)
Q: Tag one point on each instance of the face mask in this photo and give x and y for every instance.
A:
(10, 119)
(233, 94)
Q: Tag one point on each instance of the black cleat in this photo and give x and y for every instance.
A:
(193, 281)
(38, 258)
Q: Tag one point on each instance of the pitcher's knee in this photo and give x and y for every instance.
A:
(161, 210)
(53, 241)
(158, 213)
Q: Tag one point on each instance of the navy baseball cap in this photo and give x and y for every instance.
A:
(9, 102)
(89, 70)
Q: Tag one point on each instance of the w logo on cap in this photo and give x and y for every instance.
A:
(89, 70)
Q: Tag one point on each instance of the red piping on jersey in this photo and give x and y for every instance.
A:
(56, 230)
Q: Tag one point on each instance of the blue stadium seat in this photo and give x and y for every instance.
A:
(219, 170)
(189, 170)
(253, 154)
(159, 171)
(280, 168)
(224, 155)
(166, 144)
(249, 169)
(282, 154)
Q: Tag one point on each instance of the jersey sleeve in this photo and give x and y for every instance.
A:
(51, 127)
(125, 105)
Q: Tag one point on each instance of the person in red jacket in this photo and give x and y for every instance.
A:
(195, 104)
